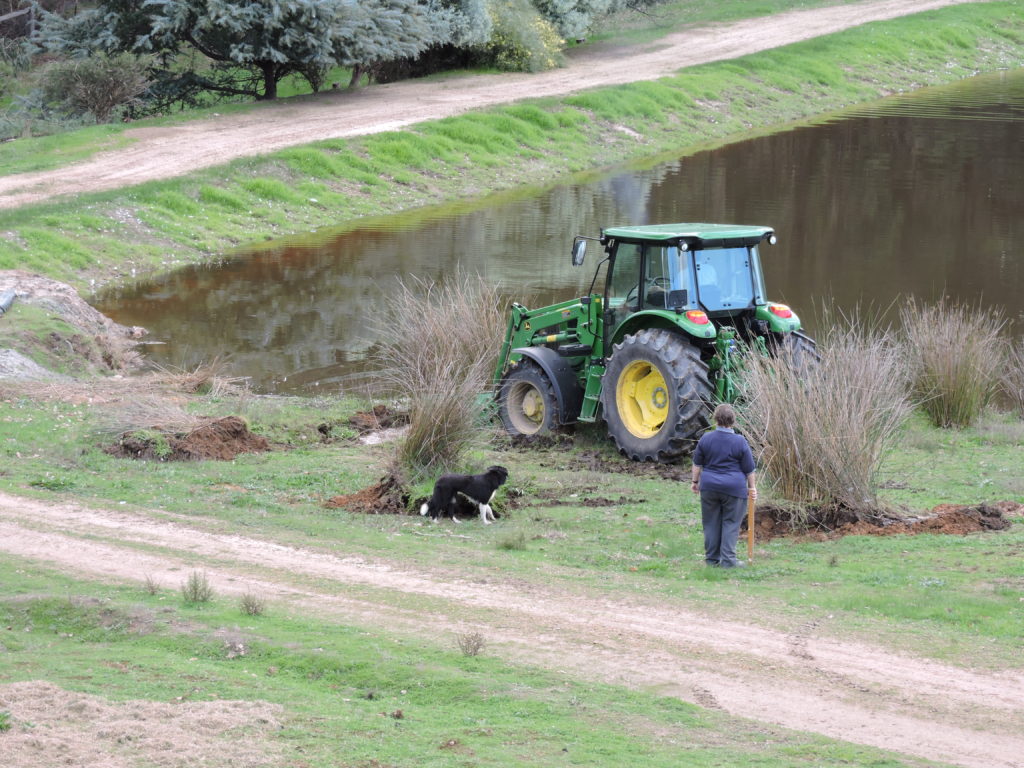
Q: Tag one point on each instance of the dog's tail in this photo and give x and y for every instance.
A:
(424, 508)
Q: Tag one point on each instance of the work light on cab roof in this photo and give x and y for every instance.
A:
(658, 339)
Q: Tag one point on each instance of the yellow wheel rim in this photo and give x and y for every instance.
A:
(641, 396)
(526, 408)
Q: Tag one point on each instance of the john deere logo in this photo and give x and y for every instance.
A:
(659, 397)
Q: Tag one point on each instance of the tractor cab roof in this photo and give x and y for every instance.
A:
(696, 236)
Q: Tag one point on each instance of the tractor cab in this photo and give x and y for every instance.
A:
(686, 270)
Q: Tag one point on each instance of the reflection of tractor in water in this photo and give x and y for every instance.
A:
(681, 303)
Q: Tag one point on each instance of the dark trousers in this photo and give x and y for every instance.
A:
(721, 515)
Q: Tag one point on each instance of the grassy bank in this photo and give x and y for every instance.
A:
(160, 226)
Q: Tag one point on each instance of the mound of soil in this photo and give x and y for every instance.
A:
(380, 417)
(772, 521)
(221, 439)
(385, 497)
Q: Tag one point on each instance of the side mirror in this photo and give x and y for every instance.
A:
(579, 250)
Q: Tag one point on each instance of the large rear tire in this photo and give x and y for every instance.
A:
(801, 353)
(528, 402)
(656, 395)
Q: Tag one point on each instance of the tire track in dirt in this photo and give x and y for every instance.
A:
(164, 152)
(844, 690)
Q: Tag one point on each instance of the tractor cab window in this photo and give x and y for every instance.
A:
(725, 279)
(666, 277)
(624, 286)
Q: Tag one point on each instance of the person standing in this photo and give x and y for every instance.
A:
(723, 475)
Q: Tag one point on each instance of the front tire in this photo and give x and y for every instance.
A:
(656, 395)
(528, 402)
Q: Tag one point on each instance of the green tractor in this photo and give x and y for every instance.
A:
(681, 305)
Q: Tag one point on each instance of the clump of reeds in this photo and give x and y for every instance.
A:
(821, 430)
(437, 350)
(955, 354)
(1012, 379)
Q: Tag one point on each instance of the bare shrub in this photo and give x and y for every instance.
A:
(439, 344)
(821, 432)
(252, 604)
(96, 84)
(197, 589)
(470, 643)
(206, 378)
(151, 585)
(955, 355)
(1012, 379)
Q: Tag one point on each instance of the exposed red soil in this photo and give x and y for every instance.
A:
(222, 439)
(385, 497)
(772, 521)
(380, 417)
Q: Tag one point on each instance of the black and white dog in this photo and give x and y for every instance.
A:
(478, 490)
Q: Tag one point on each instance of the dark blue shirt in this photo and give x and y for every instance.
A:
(725, 460)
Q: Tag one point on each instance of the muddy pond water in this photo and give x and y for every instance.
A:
(916, 195)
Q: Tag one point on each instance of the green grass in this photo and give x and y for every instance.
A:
(643, 535)
(162, 225)
(45, 152)
(376, 698)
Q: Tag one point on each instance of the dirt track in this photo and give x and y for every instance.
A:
(173, 151)
(802, 680)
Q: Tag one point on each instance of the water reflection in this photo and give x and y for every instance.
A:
(917, 195)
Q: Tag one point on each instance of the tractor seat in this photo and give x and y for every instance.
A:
(655, 298)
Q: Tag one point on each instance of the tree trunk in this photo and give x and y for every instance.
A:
(270, 72)
(357, 72)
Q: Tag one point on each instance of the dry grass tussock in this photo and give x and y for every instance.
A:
(114, 390)
(956, 355)
(148, 411)
(437, 351)
(1012, 379)
(822, 430)
(208, 379)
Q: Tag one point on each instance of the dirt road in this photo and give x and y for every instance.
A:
(803, 680)
(159, 153)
